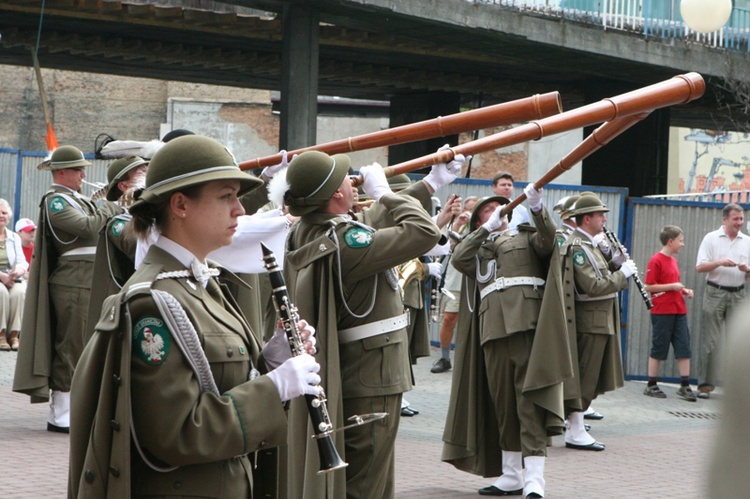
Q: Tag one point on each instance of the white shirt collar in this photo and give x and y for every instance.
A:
(178, 251)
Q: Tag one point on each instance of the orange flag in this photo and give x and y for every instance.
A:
(50, 138)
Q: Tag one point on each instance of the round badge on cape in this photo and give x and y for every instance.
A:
(152, 340)
(56, 204)
(579, 258)
(117, 227)
(357, 237)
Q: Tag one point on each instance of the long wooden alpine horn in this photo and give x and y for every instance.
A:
(680, 89)
(508, 113)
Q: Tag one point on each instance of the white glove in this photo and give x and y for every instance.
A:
(374, 182)
(435, 269)
(534, 197)
(620, 256)
(495, 222)
(601, 240)
(297, 376)
(628, 268)
(444, 173)
(270, 171)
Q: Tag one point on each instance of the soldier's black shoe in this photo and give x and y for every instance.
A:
(494, 491)
(57, 429)
(441, 365)
(534, 495)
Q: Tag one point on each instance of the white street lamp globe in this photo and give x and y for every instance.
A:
(706, 16)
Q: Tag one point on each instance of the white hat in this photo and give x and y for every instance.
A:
(25, 225)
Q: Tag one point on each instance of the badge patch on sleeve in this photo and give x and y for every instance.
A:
(579, 258)
(357, 237)
(117, 227)
(151, 339)
(56, 204)
(560, 241)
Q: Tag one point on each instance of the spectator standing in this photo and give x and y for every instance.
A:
(13, 267)
(452, 293)
(669, 315)
(502, 185)
(723, 255)
(26, 230)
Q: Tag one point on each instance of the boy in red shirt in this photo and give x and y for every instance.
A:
(669, 315)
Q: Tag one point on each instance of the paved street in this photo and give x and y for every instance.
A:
(655, 448)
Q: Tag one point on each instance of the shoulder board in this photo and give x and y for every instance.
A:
(110, 316)
(524, 227)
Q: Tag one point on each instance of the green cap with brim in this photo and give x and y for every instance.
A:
(565, 206)
(588, 203)
(478, 206)
(189, 161)
(117, 171)
(64, 157)
(313, 177)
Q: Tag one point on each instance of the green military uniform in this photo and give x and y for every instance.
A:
(192, 427)
(339, 272)
(57, 298)
(113, 265)
(594, 314)
(508, 319)
(472, 431)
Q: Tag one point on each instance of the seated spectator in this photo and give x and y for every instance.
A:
(26, 230)
(13, 267)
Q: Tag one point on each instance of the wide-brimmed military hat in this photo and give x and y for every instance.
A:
(565, 205)
(588, 203)
(117, 171)
(501, 200)
(64, 157)
(313, 177)
(188, 161)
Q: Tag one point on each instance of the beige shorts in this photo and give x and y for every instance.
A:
(451, 305)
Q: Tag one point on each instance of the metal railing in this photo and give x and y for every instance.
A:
(717, 196)
(654, 19)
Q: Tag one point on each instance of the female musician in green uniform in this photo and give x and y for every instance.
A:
(168, 398)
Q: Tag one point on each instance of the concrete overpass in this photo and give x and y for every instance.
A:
(427, 57)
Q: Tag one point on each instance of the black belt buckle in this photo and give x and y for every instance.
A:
(731, 289)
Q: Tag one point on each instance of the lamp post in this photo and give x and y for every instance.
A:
(705, 16)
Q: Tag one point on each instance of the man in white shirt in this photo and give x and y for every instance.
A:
(724, 255)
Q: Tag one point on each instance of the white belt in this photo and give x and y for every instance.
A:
(357, 333)
(83, 250)
(508, 282)
(581, 297)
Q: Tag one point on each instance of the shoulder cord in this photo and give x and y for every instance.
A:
(332, 234)
(49, 221)
(471, 296)
(109, 256)
(187, 339)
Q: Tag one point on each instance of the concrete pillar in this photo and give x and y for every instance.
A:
(410, 108)
(299, 78)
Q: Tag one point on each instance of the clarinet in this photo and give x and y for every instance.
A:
(316, 405)
(637, 280)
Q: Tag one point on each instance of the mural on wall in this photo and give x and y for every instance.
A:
(719, 162)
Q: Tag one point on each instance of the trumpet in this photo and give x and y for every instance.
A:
(615, 241)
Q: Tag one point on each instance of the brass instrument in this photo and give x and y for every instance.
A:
(410, 271)
(616, 244)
